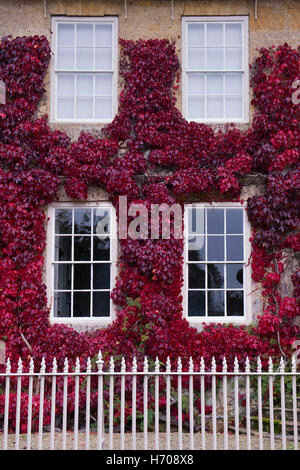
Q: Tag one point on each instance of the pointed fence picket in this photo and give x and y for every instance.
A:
(133, 404)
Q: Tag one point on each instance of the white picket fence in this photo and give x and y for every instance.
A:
(100, 407)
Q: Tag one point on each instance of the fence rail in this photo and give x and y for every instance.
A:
(149, 405)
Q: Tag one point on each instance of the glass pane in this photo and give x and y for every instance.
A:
(82, 276)
(234, 221)
(196, 218)
(65, 108)
(215, 303)
(101, 221)
(82, 248)
(62, 304)
(84, 84)
(215, 107)
(214, 34)
(195, 34)
(101, 276)
(196, 249)
(215, 248)
(63, 221)
(234, 276)
(101, 249)
(103, 58)
(215, 221)
(81, 304)
(84, 58)
(214, 58)
(103, 109)
(82, 220)
(233, 58)
(103, 35)
(84, 108)
(215, 276)
(62, 276)
(235, 248)
(235, 303)
(65, 84)
(196, 58)
(62, 250)
(101, 304)
(65, 34)
(196, 304)
(196, 84)
(104, 84)
(233, 83)
(214, 83)
(233, 34)
(84, 34)
(196, 276)
(65, 58)
(233, 105)
(195, 107)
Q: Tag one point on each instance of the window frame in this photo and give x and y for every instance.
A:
(100, 321)
(246, 318)
(55, 20)
(245, 70)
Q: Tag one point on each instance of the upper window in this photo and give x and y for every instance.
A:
(82, 260)
(84, 85)
(215, 69)
(216, 272)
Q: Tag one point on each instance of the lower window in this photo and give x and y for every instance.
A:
(216, 250)
(82, 261)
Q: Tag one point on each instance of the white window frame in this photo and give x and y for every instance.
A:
(55, 20)
(99, 321)
(246, 318)
(245, 92)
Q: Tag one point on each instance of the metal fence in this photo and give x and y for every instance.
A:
(118, 404)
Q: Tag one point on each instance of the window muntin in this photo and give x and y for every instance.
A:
(83, 261)
(85, 69)
(215, 69)
(215, 268)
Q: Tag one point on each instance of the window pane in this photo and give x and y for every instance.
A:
(82, 276)
(101, 249)
(196, 83)
(103, 58)
(214, 58)
(235, 303)
(81, 304)
(84, 34)
(214, 83)
(62, 250)
(65, 108)
(233, 105)
(196, 220)
(62, 276)
(65, 84)
(235, 248)
(195, 107)
(215, 248)
(62, 304)
(101, 304)
(84, 108)
(196, 276)
(65, 34)
(85, 84)
(63, 221)
(215, 221)
(215, 276)
(233, 58)
(195, 34)
(215, 107)
(65, 58)
(234, 276)
(104, 84)
(196, 58)
(103, 35)
(215, 303)
(82, 248)
(214, 34)
(103, 109)
(233, 83)
(196, 304)
(84, 58)
(101, 276)
(234, 221)
(82, 220)
(101, 221)
(196, 249)
(233, 34)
